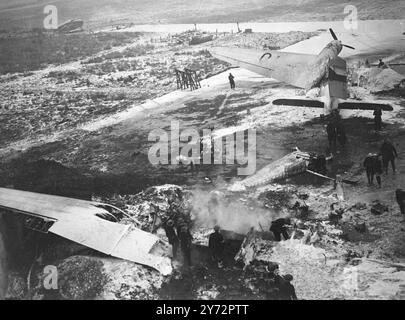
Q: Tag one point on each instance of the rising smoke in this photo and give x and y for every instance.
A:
(230, 212)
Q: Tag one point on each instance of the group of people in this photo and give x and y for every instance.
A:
(376, 163)
(178, 234)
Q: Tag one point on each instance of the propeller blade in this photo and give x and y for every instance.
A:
(333, 34)
(345, 45)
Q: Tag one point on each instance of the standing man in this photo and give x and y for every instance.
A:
(388, 153)
(216, 245)
(185, 244)
(400, 195)
(231, 81)
(171, 236)
(377, 119)
(341, 134)
(373, 166)
(381, 64)
(331, 131)
(279, 227)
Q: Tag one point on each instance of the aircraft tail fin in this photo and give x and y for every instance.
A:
(355, 105)
(311, 103)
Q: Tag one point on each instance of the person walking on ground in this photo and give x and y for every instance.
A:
(185, 244)
(388, 153)
(373, 167)
(400, 196)
(231, 81)
(341, 134)
(381, 64)
(216, 245)
(377, 119)
(171, 236)
(331, 132)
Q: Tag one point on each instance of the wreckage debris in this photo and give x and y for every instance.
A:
(84, 222)
(378, 208)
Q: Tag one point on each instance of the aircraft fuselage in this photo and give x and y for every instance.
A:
(319, 68)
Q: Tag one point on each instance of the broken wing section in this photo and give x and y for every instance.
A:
(291, 68)
(139, 245)
(310, 103)
(356, 105)
(117, 240)
(49, 206)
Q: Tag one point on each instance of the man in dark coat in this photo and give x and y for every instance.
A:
(373, 167)
(331, 131)
(216, 245)
(231, 81)
(285, 288)
(279, 227)
(388, 153)
(400, 195)
(185, 244)
(341, 134)
(377, 119)
(171, 236)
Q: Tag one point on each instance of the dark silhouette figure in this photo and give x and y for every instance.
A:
(287, 290)
(341, 134)
(381, 64)
(231, 81)
(388, 153)
(171, 236)
(283, 284)
(279, 227)
(400, 195)
(216, 245)
(332, 135)
(373, 166)
(377, 119)
(185, 244)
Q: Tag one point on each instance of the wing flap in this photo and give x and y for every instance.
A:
(310, 103)
(355, 105)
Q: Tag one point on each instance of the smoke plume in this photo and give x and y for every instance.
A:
(229, 212)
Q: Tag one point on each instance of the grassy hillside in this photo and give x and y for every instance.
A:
(29, 13)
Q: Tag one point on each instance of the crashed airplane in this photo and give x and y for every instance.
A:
(85, 222)
(71, 26)
(326, 71)
(294, 163)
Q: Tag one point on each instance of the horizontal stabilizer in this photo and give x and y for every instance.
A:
(299, 103)
(354, 105)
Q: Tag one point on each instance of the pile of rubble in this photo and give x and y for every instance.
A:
(155, 206)
(379, 79)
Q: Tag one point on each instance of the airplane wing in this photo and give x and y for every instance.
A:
(311, 103)
(287, 67)
(357, 105)
(114, 239)
(80, 221)
(344, 104)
